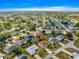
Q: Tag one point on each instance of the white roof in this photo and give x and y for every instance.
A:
(32, 50)
(1, 56)
(59, 37)
(48, 31)
(75, 55)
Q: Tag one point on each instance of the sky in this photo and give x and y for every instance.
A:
(39, 5)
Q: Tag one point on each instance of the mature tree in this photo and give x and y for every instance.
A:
(17, 51)
(69, 35)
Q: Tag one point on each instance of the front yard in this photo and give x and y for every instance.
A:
(71, 50)
(77, 43)
(65, 42)
(63, 55)
(54, 47)
(42, 53)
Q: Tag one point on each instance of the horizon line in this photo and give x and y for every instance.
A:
(56, 8)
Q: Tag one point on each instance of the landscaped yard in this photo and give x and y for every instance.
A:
(42, 53)
(71, 50)
(27, 54)
(27, 45)
(77, 43)
(31, 57)
(65, 42)
(49, 36)
(54, 47)
(63, 55)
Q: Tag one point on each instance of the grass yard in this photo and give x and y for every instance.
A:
(42, 53)
(27, 54)
(49, 36)
(54, 47)
(63, 55)
(77, 43)
(71, 50)
(65, 42)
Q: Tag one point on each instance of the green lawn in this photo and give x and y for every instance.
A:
(42, 53)
(54, 47)
(71, 50)
(65, 42)
(50, 58)
(49, 36)
(26, 53)
(77, 43)
(63, 55)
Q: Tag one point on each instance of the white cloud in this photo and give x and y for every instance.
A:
(60, 8)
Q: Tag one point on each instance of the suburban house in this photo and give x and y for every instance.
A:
(27, 38)
(48, 31)
(24, 40)
(2, 56)
(56, 39)
(32, 50)
(75, 55)
(23, 57)
(21, 42)
(8, 50)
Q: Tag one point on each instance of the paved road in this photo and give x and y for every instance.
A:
(51, 56)
(69, 45)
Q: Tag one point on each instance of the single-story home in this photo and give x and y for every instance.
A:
(56, 39)
(75, 55)
(21, 42)
(27, 38)
(32, 50)
(48, 32)
(9, 49)
(23, 57)
(2, 56)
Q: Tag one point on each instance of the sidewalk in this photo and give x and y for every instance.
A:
(48, 50)
(37, 56)
(67, 52)
(61, 44)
